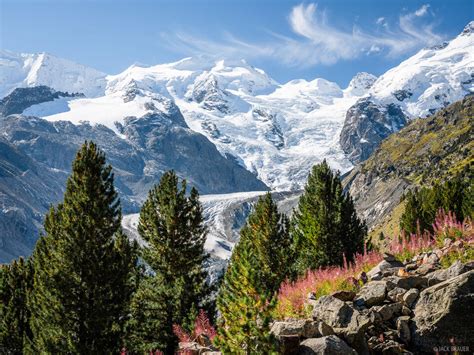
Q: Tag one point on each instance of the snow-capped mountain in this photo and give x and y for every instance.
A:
(275, 131)
(421, 85)
(224, 125)
(29, 70)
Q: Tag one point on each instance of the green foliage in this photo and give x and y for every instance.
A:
(455, 195)
(259, 263)
(83, 265)
(172, 224)
(325, 224)
(15, 284)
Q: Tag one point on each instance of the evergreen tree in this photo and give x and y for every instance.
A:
(422, 205)
(15, 285)
(83, 265)
(325, 224)
(259, 263)
(171, 223)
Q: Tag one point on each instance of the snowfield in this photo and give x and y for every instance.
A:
(276, 131)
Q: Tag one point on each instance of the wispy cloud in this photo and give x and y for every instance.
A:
(315, 40)
(422, 10)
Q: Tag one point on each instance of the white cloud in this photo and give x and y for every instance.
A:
(316, 40)
(422, 11)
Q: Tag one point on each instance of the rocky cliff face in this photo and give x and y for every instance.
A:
(36, 158)
(435, 147)
(22, 98)
(367, 125)
(420, 86)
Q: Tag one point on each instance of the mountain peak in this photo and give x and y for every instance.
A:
(361, 83)
(468, 29)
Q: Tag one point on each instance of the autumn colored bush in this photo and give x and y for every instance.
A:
(292, 296)
(203, 331)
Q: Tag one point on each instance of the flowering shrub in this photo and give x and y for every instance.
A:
(447, 226)
(292, 296)
(202, 329)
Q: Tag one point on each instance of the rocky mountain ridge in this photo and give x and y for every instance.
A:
(420, 86)
(437, 147)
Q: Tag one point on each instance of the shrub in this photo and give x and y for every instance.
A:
(292, 296)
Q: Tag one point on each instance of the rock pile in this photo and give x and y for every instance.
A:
(402, 308)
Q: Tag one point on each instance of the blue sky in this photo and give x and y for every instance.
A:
(288, 39)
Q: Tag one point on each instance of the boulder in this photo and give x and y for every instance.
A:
(305, 328)
(333, 311)
(389, 311)
(456, 269)
(408, 282)
(410, 297)
(443, 314)
(385, 265)
(344, 295)
(329, 345)
(286, 328)
(396, 294)
(372, 294)
(403, 329)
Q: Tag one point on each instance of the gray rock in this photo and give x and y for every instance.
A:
(372, 293)
(344, 295)
(396, 294)
(408, 282)
(366, 125)
(324, 329)
(389, 311)
(333, 311)
(403, 329)
(410, 297)
(456, 269)
(329, 345)
(311, 329)
(444, 312)
(294, 327)
(389, 347)
(305, 328)
(385, 265)
(22, 98)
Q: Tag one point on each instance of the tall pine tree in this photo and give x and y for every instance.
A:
(171, 223)
(15, 285)
(259, 263)
(83, 265)
(325, 224)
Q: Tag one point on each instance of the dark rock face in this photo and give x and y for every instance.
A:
(367, 124)
(378, 184)
(36, 158)
(443, 314)
(22, 98)
(208, 93)
(26, 190)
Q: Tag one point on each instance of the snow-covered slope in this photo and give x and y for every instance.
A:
(432, 78)
(421, 85)
(275, 131)
(27, 70)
